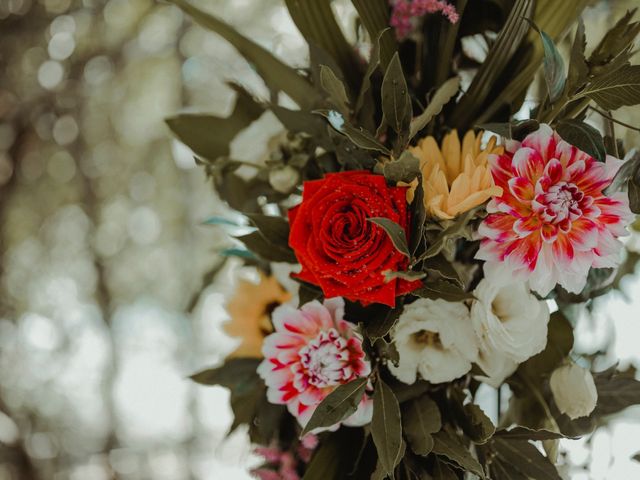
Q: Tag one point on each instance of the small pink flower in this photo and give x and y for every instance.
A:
(552, 222)
(405, 12)
(313, 351)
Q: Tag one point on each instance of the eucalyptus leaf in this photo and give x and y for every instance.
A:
(276, 74)
(578, 68)
(396, 233)
(335, 89)
(583, 136)
(386, 427)
(442, 96)
(396, 102)
(450, 446)
(338, 405)
(615, 89)
(209, 136)
(420, 419)
(553, 67)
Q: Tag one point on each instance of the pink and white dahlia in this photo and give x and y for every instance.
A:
(312, 351)
(552, 222)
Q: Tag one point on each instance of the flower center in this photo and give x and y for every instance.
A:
(427, 338)
(325, 360)
(561, 202)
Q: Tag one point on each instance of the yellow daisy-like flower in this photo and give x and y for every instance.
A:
(249, 309)
(455, 177)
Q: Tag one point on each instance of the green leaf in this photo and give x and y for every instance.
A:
(616, 40)
(526, 458)
(396, 103)
(634, 195)
(273, 228)
(578, 70)
(261, 246)
(615, 89)
(277, 75)
(524, 433)
(442, 471)
(501, 52)
(338, 405)
(421, 418)
(365, 95)
(477, 425)
(442, 267)
(209, 136)
(442, 96)
(358, 136)
(317, 23)
(583, 136)
(553, 67)
(396, 233)
(386, 427)
(335, 89)
(379, 325)
(333, 459)
(625, 174)
(450, 446)
(298, 121)
(232, 374)
(375, 18)
(441, 289)
(615, 393)
(559, 344)
(454, 229)
(409, 276)
(517, 129)
(404, 169)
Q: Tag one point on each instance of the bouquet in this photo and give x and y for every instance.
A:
(424, 234)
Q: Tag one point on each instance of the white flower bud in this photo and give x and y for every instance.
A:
(574, 390)
(284, 179)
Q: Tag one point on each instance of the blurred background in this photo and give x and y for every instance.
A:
(106, 298)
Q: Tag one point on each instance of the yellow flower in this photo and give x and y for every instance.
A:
(249, 309)
(455, 178)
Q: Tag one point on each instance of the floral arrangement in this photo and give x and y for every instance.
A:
(422, 234)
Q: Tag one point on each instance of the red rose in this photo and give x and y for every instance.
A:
(340, 250)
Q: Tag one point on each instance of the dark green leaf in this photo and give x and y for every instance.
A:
(317, 23)
(615, 393)
(578, 69)
(261, 246)
(615, 89)
(298, 121)
(442, 267)
(308, 293)
(583, 136)
(396, 233)
(338, 405)
(386, 427)
(396, 103)
(634, 196)
(404, 169)
(517, 129)
(477, 425)
(526, 458)
(421, 418)
(553, 67)
(333, 459)
(442, 96)
(335, 88)
(501, 52)
(559, 344)
(624, 175)
(442, 471)
(275, 229)
(232, 374)
(523, 433)
(375, 18)
(209, 136)
(616, 40)
(378, 325)
(374, 62)
(450, 446)
(459, 227)
(358, 136)
(636, 457)
(443, 290)
(277, 75)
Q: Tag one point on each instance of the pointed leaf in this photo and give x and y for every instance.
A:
(441, 289)
(450, 446)
(263, 247)
(553, 67)
(386, 427)
(232, 374)
(273, 228)
(578, 69)
(396, 103)
(396, 233)
(276, 74)
(421, 418)
(335, 89)
(583, 136)
(442, 96)
(375, 18)
(338, 405)
(526, 458)
(615, 89)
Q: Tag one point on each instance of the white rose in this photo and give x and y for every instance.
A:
(574, 390)
(511, 325)
(284, 179)
(434, 338)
